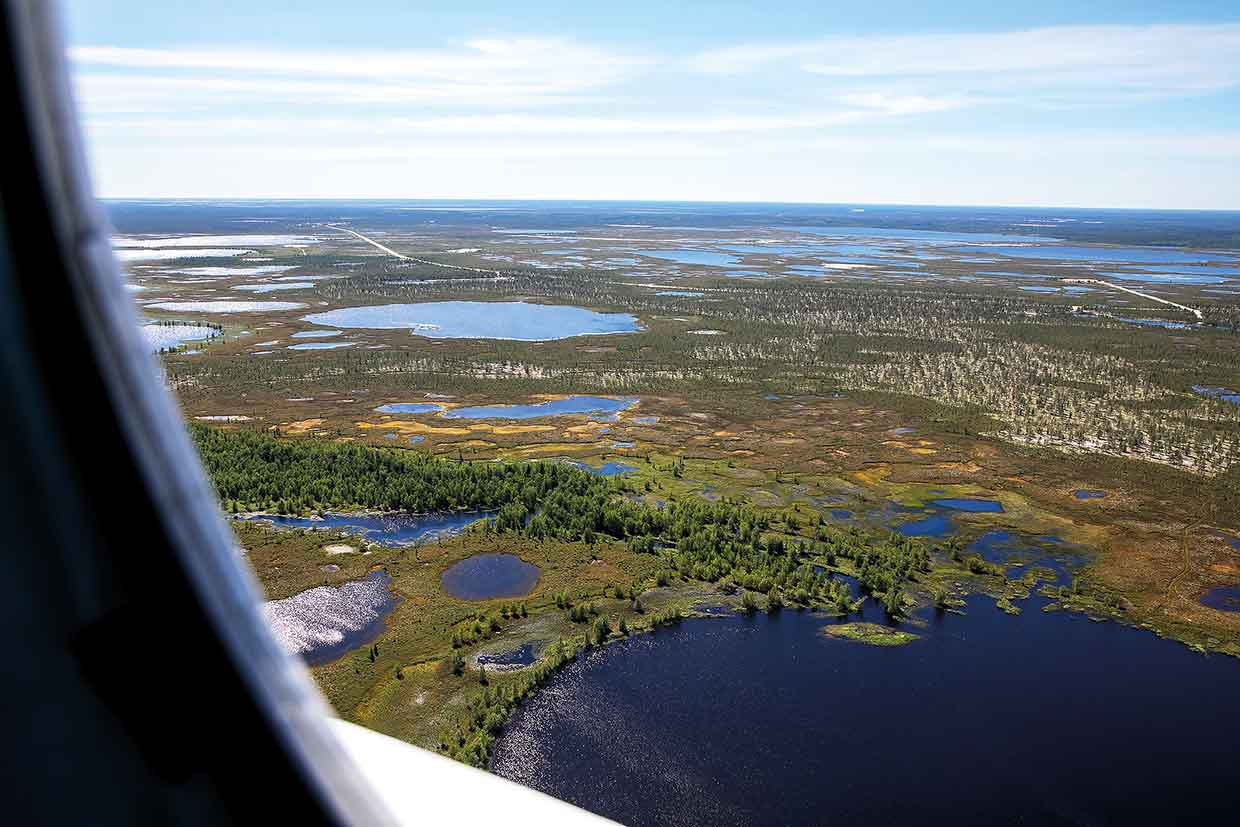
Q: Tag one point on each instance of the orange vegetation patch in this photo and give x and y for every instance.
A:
(872, 476)
(301, 426)
(470, 443)
(965, 467)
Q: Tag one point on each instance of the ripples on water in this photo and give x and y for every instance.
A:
(1042, 718)
(323, 623)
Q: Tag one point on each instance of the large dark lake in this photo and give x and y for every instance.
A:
(1042, 718)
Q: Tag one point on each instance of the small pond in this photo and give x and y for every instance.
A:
(489, 576)
(164, 336)
(1088, 494)
(315, 334)
(975, 506)
(325, 622)
(525, 655)
(607, 469)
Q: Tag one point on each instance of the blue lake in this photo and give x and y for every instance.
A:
(518, 321)
(936, 525)
(1041, 718)
(687, 294)
(490, 576)
(1224, 394)
(554, 407)
(972, 505)
(409, 408)
(1223, 598)
(1088, 494)
(1138, 255)
(315, 334)
(691, 257)
(1196, 270)
(385, 529)
(930, 236)
(1167, 278)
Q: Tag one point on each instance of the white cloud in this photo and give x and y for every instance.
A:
(531, 65)
(1159, 58)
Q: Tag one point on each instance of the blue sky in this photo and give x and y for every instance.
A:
(1055, 103)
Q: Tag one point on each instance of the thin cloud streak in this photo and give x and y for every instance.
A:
(1166, 57)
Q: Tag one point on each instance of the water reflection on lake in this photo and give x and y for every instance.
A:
(325, 622)
(489, 576)
(1042, 718)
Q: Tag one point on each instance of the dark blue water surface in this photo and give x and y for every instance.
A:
(998, 546)
(385, 529)
(975, 506)
(1042, 718)
(1088, 494)
(488, 576)
(356, 638)
(1223, 598)
(936, 525)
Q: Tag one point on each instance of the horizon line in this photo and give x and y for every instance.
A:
(563, 200)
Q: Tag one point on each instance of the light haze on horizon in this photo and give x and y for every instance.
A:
(1107, 104)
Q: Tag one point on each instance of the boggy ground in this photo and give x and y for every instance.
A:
(1153, 544)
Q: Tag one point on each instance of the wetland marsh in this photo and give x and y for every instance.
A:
(598, 475)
